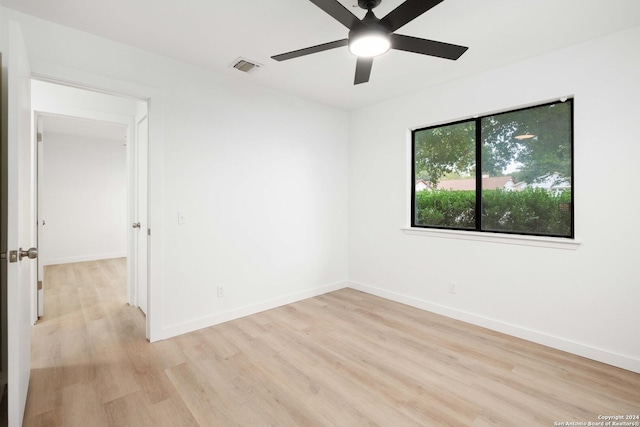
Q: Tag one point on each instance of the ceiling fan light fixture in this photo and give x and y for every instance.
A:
(369, 44)
(370, 36)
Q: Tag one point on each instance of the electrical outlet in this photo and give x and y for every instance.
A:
(452, 287)
(220, 291)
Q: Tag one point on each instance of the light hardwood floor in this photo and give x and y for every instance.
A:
(341, 359)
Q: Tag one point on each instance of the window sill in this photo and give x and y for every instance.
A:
(509, 239)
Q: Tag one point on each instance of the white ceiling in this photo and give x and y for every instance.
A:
(213, 33)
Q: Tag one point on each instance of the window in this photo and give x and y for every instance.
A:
(510, 172)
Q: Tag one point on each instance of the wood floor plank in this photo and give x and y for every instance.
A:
(340, 359)
(168, 354)
(82, 405)
(130, 410)
(148, 372)
(173, 412)
(207, 404)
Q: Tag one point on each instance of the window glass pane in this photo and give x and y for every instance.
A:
(444, 176)
(527, 171)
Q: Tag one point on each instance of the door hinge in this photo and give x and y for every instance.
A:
(39, 136)
(148, 232)
(39, 285)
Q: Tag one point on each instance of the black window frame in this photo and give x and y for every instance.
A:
(478, 188)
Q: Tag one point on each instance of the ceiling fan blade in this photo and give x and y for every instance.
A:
(427, 47)
(310, 50)
(338, 12)
(406, 12)
(363, 70)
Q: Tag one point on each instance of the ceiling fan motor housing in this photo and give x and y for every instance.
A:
(371, 39)
(368, 4)
(370, 27)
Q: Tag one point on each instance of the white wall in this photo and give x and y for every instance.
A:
(584, 301)
(84, 198)
(261, 175)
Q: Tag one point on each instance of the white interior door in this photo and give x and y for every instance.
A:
(20, 219)
(141, 172)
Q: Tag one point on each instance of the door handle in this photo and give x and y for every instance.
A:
(136, 225)
(31, 253)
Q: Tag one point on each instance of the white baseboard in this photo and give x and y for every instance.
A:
(248, 310)
(83, 258)
(564, 344)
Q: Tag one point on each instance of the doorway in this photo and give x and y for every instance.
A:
(19, 216)
(92, 186)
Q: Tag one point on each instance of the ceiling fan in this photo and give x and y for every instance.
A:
(371, 36)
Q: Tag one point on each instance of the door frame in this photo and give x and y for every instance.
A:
(140, 209)
(155, 113)
(37, 121)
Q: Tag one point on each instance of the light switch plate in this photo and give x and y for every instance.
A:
(182, 217)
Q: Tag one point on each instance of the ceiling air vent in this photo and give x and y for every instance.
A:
(245, 65)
